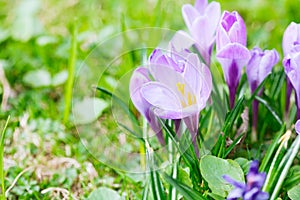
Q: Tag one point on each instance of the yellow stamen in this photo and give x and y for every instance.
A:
(180, 87)
(191, 99)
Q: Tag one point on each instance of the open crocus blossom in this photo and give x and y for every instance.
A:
(252, 189)
(297, 127)
(259, 67)
(292, 69)
(290, 43)
(202, 21)
(180, 89)
(232, 53)
(139, 77)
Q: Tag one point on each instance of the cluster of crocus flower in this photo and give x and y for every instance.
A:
(251, 190)
(291, 62)
(174, 85)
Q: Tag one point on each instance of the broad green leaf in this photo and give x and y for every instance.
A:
(294, 193)
(104, 193)
(213, 169)
(37, 78)
(88, 110)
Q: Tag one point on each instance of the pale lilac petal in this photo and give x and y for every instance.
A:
(181, 41)
(270, 58)
(260, 66)
(138, 78)
(222, 39)
(242, 29)
(189, 14)
(207, 82)
(297, 127)
(290, 37)
(159, 95)
(252, 69)
(234, 51)
(292, 69)
(201, 32)
(201, 5)
(213, 11)
(192, 74)
(167, 76)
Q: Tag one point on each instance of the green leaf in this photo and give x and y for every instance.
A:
(38, 78)
(213, 169)
(88, 110)
(294, 193)
(104, 193)
(156, 186)
(187, 192)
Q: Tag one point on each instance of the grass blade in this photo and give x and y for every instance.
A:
(187, 192)
(1, 158)
(71, 70)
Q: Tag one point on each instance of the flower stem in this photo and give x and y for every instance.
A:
(1, 159)
(254, 120)
(289, 89)
(232, 91)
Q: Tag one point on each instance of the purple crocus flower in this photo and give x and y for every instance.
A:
(180, 88)
(291, 64)
(290, 42)
(232, 53)
(297, 127)
(139, 77)
(251, 190)
(259, 67)
(202, 21)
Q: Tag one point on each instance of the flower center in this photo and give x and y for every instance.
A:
(188, 98)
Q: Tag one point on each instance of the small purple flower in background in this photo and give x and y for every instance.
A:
(291, 65)
(290, 44)
(297, 127)
(259, 67)
(252, 189)
(180, 89)
(232, 53)
(202, 21)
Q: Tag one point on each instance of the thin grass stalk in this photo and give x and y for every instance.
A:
(71, 70)
(1, 159)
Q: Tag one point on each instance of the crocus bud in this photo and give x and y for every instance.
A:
(232, 53)
(259, 67)
(291, 65)
(202, 21)
(290, 43)
(291, 38)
